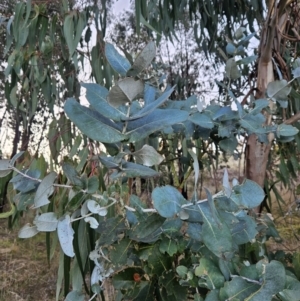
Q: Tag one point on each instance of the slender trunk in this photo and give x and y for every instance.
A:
(257, 154)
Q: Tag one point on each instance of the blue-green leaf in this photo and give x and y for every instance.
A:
(119, 63)
(46, 222)
(202, 120)
(167, 200)
(92, 124)
(44, 190)
(97, 97)
(249, 194)
(157, 120)
(286, 130)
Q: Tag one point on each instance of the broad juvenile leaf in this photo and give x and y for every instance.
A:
(28, 231)
(5, 168)
(248, 195)
(259, 105)
(119, 63)
(278, 89)
(238, 288)
(208, 270)
(132, 170)
(229, 144)
(232, 70)
(157, 120)
(44, 190)
(150, 107)
(143, 60)
(273, 282)
(94, 207)
(46, 222)
(92, 124)
(168, 245)
(202, 120)
(65, 234)
(75, 296)
(97, 97)
(125, 91)
(286, 130)
(148, 156)
(167, 200)
(92, 221)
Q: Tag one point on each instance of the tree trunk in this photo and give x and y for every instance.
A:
(257, 154)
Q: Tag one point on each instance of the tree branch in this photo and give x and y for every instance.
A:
(293, 119)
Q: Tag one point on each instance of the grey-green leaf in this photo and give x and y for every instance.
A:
(232, 70)
(97, 97)
(46, 222)
(202, 120)
(92, 124)
(28, 231)
(119, 63)
(286, 130)
(167, 200)
(148, 156)
(143, 60)
(44, 190)
(65, 234)
(278, 89)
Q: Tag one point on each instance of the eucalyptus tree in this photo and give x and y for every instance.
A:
(275, 25)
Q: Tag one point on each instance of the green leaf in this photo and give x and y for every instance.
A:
(244, 231)
(272, 283)
(208, 270)
(182, 271)
(132, 170)
(259, 105)
(46, 222)
(232, 70)
(278, 89)
(92, 124)
(150, 106)
(125, 91)
(229, 144)
(230, 48)
(168, 245)
(202, 120)
(296, 263)
(65, 235)
(167, 200)
(44, 190)
(148, 156)
(291, 291)
(194, 231)
(69, 33)
(119, 252)
(92, 185)
(248, 195)
(119, 63)
(97, 97)
(157, 120)
(5, 168)
(28, 231)
(75, 296)
(238, 288)
(143, 60)
(285, 130)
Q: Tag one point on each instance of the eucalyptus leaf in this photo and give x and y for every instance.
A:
(272, 283)
(119, 63)
(97, 97)
(232, 70)
(46, 222)
(28, 231)
(147, 156)
(286, 130)
(143, 60)
(202, 120)
(167, 200)
(157, 120)
(92, 124)
(45, 190)
(65, 235)
(5, 168)
(125, 91)
(278, 89)
(75, 296)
